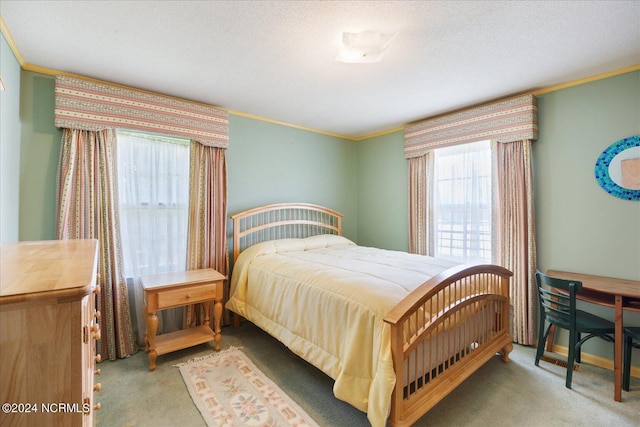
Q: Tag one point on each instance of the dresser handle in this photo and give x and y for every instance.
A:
(97, 290)
(97, 387)
(98, 358)
(97, 372)
(97, 406)
(96, 314)
(95, 332)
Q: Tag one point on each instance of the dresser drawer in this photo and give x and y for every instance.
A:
(186, 295)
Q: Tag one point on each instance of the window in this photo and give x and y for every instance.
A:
(462, 202)
(153, 191)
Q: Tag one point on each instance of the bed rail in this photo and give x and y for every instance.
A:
(281, 221)
(436, 328)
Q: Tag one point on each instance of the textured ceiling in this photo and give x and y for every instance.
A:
(275, 59)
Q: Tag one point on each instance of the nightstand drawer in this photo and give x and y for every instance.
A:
(186, 295)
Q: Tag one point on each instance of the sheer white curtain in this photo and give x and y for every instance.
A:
(153, 181)
(462, 202)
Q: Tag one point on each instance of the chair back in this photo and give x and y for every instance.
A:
(557, 299)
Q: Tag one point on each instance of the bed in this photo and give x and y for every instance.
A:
(397, 332)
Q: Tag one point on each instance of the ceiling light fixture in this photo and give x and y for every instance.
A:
(364, 47)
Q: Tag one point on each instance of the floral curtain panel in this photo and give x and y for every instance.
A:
(87, 209)
(516, 244)
(207, 237)
(421, 204)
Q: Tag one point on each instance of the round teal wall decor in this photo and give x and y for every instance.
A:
(602, 171)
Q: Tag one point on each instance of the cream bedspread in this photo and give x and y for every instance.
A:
(325, 298)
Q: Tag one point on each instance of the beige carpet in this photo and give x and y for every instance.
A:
(228, 389)
(513, 394)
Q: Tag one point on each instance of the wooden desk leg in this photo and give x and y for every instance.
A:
(217, 320)
(550, 338)
(617, 362)
(152, 329)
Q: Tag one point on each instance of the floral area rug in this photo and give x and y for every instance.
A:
(229, 390)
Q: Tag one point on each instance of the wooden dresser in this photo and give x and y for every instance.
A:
(48, 331)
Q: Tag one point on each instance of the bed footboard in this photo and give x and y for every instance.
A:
(443, 332)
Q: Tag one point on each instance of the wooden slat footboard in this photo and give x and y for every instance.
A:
(443, 332)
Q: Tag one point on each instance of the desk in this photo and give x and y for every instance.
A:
(178, 289)
(621, 294)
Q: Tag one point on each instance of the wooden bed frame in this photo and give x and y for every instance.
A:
(472, 305)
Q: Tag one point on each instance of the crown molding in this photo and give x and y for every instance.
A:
(12, 45)
(291, 125)
(536, 92)
(578, 82)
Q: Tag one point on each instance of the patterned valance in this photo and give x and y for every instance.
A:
(90, 105)
(513, 119)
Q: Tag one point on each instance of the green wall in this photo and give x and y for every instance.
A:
(271, 163)
(39, 153)
(382, 194)
(9, 144)
(579, 226)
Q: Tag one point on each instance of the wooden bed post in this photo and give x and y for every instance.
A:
(506, 316)
(397, 343)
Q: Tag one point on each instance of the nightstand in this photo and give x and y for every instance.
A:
(178, 289)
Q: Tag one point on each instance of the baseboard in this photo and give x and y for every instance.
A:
(591, 359)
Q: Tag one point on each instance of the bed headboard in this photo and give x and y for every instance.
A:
(282, 221)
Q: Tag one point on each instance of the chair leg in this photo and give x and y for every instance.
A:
(542, 337)
(626, 371)
(571, 358)
(578, 352)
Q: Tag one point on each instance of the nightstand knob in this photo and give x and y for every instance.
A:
(97, 387)
(97, 372)
(188, 296)
(98, 358)
(97, 290)
(96, 314)
(97, 406)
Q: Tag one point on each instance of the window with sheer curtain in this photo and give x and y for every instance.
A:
(462, 202)
(153, 190)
